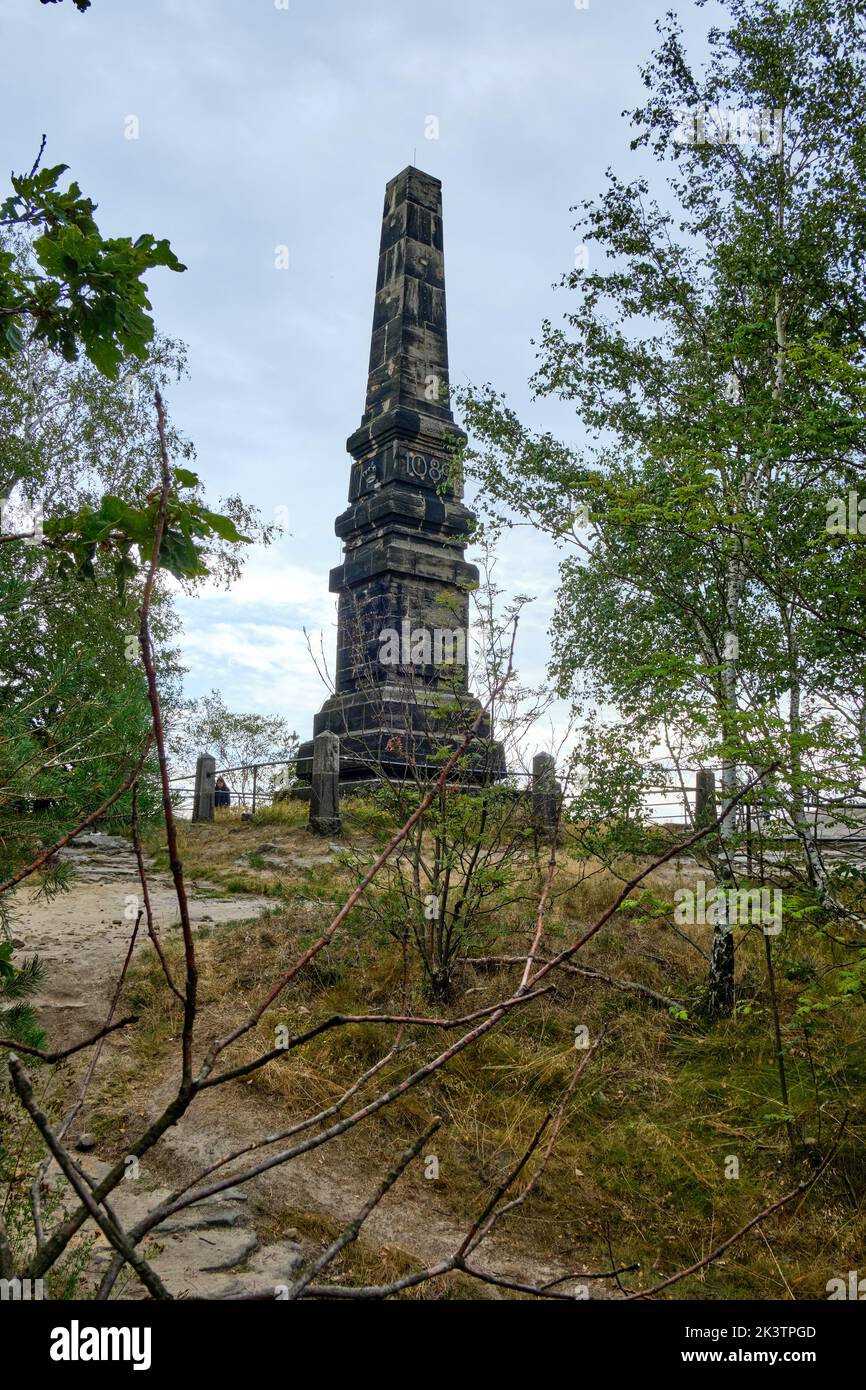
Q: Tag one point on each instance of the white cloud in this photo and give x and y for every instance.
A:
(270, 581)
(261, 667)
(248, 642)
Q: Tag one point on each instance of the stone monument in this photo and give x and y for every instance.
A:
(401, 692)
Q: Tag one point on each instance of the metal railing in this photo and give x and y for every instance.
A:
(257, 795)
(668, 803)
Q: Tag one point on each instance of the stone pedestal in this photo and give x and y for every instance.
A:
(546, 791)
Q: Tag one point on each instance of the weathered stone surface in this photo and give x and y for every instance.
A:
(206, 1251)
(275, 1264)
(194, 1219)
(96, 839)
(205, 784)
(99, 858)
(546, 791)
(325, 794)
(404, 532)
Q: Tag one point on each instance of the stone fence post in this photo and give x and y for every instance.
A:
(203, 796)
(546, 791)
(705, 797)
(325, 790)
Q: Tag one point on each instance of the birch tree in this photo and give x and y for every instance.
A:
(713, 350)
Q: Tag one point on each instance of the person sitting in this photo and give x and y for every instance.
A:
(222, 796)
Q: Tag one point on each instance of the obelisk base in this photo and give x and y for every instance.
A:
(385, 733)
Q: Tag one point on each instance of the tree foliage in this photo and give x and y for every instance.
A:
(236, 740)
(86, 291)
(713, 351)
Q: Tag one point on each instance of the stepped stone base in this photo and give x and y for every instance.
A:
(381, 731)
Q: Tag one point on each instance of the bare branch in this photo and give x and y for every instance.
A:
(109, 1228)
(798, 1191)
(46, 854)
(68, 1051)
(351, 1231)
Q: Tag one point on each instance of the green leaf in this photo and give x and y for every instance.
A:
(223, 526)
(179, 555)
(105, 355)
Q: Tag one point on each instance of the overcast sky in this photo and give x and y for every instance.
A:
(261, 124)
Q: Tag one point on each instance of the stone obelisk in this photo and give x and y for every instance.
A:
(401, 686)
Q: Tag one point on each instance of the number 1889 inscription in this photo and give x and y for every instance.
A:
(422, 468)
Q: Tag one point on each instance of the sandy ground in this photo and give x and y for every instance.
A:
(82, 935)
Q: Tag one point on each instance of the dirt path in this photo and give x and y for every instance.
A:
(82, 935)
(225, 1246)
(413, 1219)
(215, 1250)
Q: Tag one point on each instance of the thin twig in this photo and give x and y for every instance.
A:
(145, 892)
(631, 986)
(68, 1051)
(343, 1020)
(46, 854)
(352, 1230)
(798, 1191)
(109, 1228)
(147, 656)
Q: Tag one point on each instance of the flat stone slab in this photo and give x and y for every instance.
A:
(206, 1251)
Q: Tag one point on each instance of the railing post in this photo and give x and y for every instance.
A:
(325, 789)
(545, 791)
(255, 779)
(203, 796)
(705, 797)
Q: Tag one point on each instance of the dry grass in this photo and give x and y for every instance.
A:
(639, 1175)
